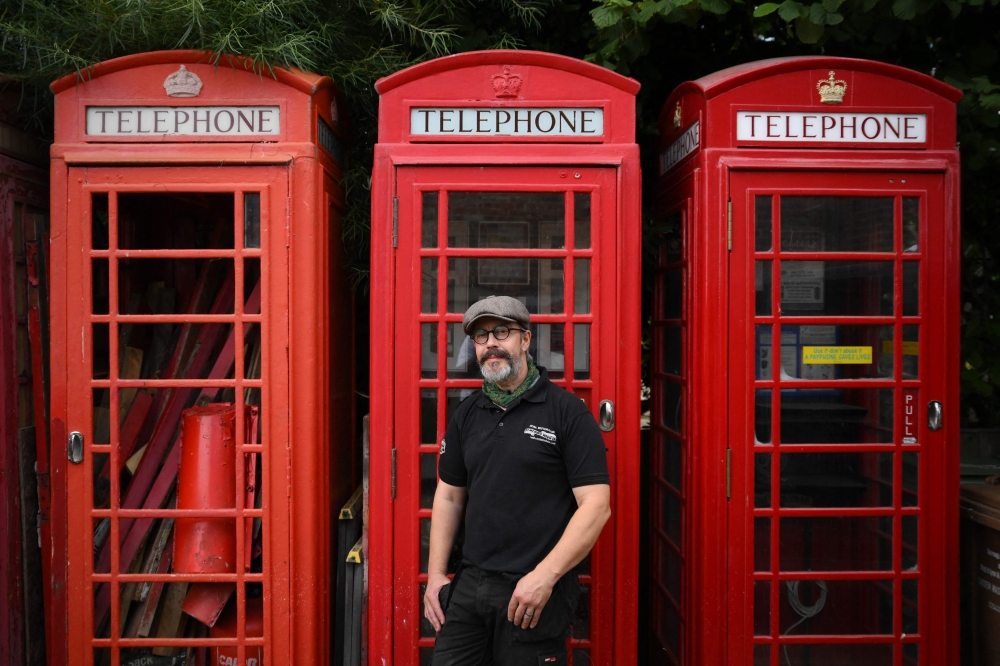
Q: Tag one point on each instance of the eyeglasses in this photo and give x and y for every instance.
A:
(500, 333)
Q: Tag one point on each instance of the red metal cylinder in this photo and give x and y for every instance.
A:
(226, 628)
(206, 479)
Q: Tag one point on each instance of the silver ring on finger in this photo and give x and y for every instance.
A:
(531, 614)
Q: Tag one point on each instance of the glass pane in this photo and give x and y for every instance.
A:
(670, 349)
(910, 543)
(841, 352)
(762, 417)
(911, 654)
(429, 350)
(670, 569)
(762, 480)
(428, 416)
(551, 278)
(761, 655)
(826, 480)
(99, 286)
(765, 351)
(762, 608)
(581, 351)
(911, 288)
(548, 348)
(911, 352)
(841, 543)
(581, 296)
(581, 618)
(178, 220)
(251, 220)
(837, 613)
(836, 224)
(251, 284)
(671, 285)
(429, 284)
(671, 248)
(836, 288)
(762, 287)
(670, 625)
(538, 283)
(837, 416)
(429, 218)
(763, 204)
(670, 516)
(455, 398)
(911, 479)
(428, 479)
(100, 350)
(671, 409)
(99, 220)
(462, 358)
(506, 219)
(672, 463)
(425, 543)
(761, 544)
(872, 654)
(911, 224)
(911, 590)
(102, 480)
(143, 277)
(581, 222)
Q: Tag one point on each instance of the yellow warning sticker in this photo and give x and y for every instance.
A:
(910, 347)
(834, 355)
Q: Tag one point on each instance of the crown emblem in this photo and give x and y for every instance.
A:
(182, 83)
(677, 116)
(506, 84)
(831, 90)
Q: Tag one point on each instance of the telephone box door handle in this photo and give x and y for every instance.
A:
(606, 416)
(935, 415)
(74, 448)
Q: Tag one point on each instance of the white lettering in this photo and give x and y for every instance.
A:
(792, 126)
(521, 121)
(183, 121)
(682, 146)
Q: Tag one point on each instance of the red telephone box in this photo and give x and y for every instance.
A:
(515, 173)
(197, 260)
(23, 432)
(804, 459)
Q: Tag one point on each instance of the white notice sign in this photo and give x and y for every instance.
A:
(151, 121)
(493, 121)
(797, 126)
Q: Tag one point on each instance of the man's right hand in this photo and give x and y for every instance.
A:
(432, 607)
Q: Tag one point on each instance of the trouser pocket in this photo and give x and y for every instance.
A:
(556, 617)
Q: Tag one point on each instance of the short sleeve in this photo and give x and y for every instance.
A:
(451, 462)
(583, 450)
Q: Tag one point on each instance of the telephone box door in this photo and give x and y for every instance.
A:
(142, 245)
(545, 236)
(837, 330)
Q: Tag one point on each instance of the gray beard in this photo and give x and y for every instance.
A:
(512, 369)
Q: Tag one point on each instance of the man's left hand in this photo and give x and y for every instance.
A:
(530, 596)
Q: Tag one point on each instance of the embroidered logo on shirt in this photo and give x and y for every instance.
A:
(442, 445)
(541, 434)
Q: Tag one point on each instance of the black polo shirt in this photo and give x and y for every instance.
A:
(520, 467)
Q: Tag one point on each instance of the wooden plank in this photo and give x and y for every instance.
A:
(171, 619)
(31, 555)
(130, 369)
(127, 592)
(152, 562)
(144, 619)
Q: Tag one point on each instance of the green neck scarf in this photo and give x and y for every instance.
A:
(503, 398)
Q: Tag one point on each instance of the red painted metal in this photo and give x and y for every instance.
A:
(300, 381)
(208, 452)
(226, 628)
(23, 192)
(698, 615)
(407, 165)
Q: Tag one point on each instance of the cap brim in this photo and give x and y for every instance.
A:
(487, 315)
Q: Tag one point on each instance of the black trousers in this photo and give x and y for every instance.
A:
(477, 632)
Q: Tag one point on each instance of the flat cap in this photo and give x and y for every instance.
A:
(499, 307)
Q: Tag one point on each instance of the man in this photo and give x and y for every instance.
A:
(525, 463)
